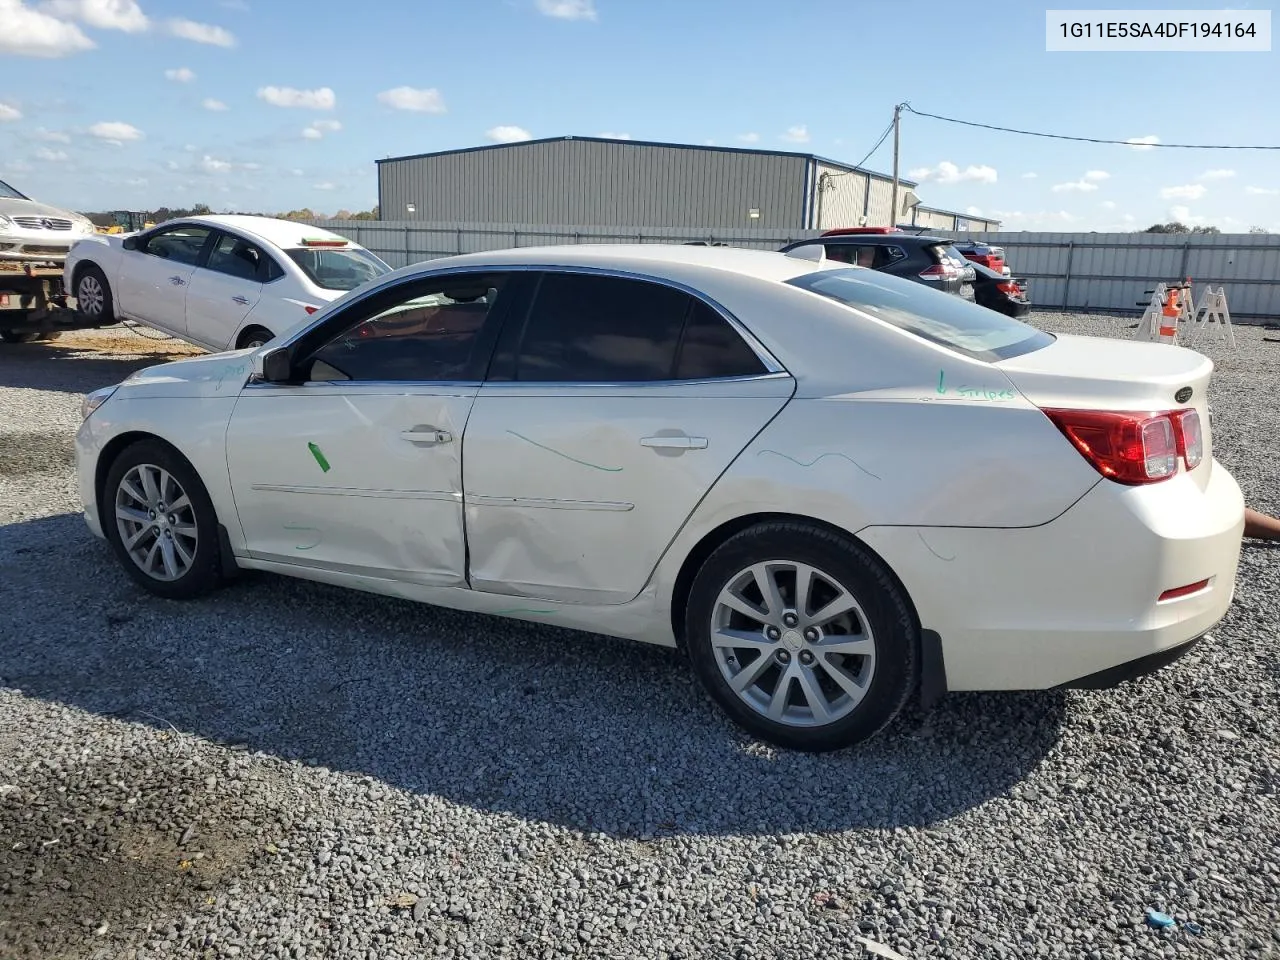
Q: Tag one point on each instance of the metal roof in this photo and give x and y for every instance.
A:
(657, 143)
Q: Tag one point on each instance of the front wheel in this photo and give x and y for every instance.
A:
(161, 523)
(93, 296)
(802, 637)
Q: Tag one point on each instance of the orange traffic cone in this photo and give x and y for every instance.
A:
(1169, 319)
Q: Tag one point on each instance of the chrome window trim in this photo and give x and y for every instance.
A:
(771, 363)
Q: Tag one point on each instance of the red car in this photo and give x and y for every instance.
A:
(990, 257)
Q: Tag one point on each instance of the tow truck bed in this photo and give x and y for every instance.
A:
(34, 305)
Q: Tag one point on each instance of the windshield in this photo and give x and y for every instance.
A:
(941, 318)
(338, 269)
(8, 193)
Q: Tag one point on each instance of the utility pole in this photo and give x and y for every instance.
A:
(893, 213)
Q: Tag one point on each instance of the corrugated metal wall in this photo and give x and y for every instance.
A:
(840, 197)
(880, 212)
(1072, 271)
(597, 183)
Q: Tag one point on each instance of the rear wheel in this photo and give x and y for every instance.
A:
(802, 637)
(161, 523)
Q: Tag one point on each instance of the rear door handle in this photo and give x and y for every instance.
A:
(426, 435)
(240, 299)
(674, 443)
(177, 281)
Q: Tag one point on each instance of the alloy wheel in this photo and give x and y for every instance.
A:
(156, 522)
(89, 296)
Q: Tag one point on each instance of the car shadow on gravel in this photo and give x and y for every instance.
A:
(76, 369)
(544, 724)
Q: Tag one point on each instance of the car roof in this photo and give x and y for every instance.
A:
(862, 239)
(282, 233)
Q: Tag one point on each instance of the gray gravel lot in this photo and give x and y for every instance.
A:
(290, 770)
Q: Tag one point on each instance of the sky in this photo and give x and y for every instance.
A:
(274, 105)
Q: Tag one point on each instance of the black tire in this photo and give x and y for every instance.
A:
(106, 314)
(204, 573)
(255, 337)
(887, 611)
(19, 336)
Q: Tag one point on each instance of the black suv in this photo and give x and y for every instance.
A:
(933, 261)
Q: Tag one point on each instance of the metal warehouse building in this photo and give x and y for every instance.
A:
(599, 182)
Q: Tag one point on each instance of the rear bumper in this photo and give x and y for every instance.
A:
(1040, 607)
(1114, 676)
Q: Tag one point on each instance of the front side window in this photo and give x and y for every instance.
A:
(238, 258)
(426, 330)
(181, 244)
(338, 268)
(940, 318)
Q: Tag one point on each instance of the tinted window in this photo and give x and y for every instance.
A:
(338, 268)
(426, 331)
(711, 348)
(938, 317)
(601, 330)
(8, 193)
(181, 244)
(237, 258)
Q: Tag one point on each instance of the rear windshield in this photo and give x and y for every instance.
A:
(941, 318)
(333, 268)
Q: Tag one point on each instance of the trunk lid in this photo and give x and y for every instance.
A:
(1099, 373)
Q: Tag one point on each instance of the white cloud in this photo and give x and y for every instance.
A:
(1128, 218)
(123, 15)
(1183, 214)
(1187, 191)
(51, 156)
(568, 9)
(1262, 191)
(296, 171)
(18, 166)
(217, 106)
(212, 165)
(749, 137)
(1096, 176)
(1081, 186)
(115, 132)
(1030, 175)
(50, 136)
(614, 136)
(426, 100)
(323, 186)
(8, 113)
(1217, 175)
(180, 75)
(29, 33)
(319, 99)
(508, 134)
(201, 32)
(1108, 204)
(250, 166)
(137, 182)
(311, 133)
(797, 134)
(1143, 143)
(973, 211)
(318, 129)
(172, 165)
(948, 172)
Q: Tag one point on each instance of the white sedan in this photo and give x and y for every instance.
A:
(832, 487)
(220, 282)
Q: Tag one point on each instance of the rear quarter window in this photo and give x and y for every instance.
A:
(931, 315)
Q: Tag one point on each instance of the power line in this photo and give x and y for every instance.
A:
(1058, 136)
(845, 173)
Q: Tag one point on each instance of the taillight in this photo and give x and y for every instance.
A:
(1006, 286)
(939, 271)
(1191, 438)
(1133, 448)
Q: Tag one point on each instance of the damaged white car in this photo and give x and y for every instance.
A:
(34, 232)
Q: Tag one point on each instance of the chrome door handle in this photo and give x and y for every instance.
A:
(674, 443)
(426, 435)
(177, 281)
(240, 299)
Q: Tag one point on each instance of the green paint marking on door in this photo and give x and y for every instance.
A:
(941, 377)
(319, 455)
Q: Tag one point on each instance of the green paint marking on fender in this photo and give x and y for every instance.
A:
(319, 455)
(593, 466)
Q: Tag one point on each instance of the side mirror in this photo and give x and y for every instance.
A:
(130, 243)
(276, 365)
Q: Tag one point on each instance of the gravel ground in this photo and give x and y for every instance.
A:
(290, 770)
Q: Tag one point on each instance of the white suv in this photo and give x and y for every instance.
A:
(37, 232)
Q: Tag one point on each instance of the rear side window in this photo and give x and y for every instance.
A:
(938, 317)
(597, 329)
(343, 268)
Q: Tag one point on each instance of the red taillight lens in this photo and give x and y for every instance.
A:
(1130, 448)
(1192, 438)
(939, 271)
(1012, 289)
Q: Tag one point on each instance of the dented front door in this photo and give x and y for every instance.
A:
(354, 478)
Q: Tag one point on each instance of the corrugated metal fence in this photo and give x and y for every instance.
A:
(1100, 272)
